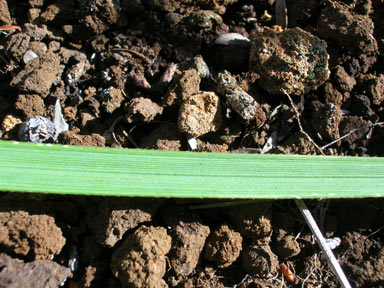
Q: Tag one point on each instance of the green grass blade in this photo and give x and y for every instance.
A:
(28, 167)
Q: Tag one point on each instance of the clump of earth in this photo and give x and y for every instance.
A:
(156, 74)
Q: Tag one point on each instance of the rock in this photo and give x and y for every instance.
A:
(34, 236)
(16, 45)
(185, 6)
(239, 100)
(111, 99)
(142, 110)
(332, 95)
(292, 60)
(140, 260)
(116, 216)
(352, 31)
(9, 123)
(77, 62)
(231, 52)
(223, 246)
(259, 261)
(184, 84)
(200, 114)
(37, 129)
(14, 273)
(298, 143)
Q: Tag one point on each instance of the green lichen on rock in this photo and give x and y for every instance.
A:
(292, 60)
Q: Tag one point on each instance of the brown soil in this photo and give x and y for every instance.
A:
(112, 65)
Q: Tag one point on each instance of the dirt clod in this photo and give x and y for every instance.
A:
(116, 216)
(140, 260)
(35, 236)
(259, 261)
(142, 110)
(223, 246)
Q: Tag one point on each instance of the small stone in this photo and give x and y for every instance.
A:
(188, 237)
(111, 99)
(116, 216)
(239, 100)
(37, 129)
(200, 114)
(232, 52)
(10, 122)
(292, 60)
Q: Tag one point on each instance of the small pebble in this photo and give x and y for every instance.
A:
(37, 129)
(239, 100)
(232, 52)
(200, 114)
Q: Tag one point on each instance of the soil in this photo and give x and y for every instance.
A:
(157, 74)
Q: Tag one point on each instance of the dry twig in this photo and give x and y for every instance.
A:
(299, 122)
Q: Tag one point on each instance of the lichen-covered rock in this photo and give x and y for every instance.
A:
(34, 236)
(352, 31)
(223, 246)
(140, 261)
(292, 60)
(200, 114)
(239, 100)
